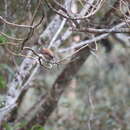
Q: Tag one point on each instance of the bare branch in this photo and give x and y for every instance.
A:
(98, 31)
(95, 8)
(14, 24)
(27, 66)
(49, 103)
(57, 33)
(10, 37)
(102, 36)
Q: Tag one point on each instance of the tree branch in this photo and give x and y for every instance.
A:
(49, 103)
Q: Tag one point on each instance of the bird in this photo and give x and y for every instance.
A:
(47, 53)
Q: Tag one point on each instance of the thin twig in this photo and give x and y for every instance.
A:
(104, 30)
(102, 36)
(10, 37)
(14, 24)
(29, 35)
(57, 33)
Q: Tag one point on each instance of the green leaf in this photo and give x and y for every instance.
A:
(37, 127)
(2, 82)
(2, 39)
(19, 125)
(7, 127)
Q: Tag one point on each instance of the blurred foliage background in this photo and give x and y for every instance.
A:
(98, 97)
